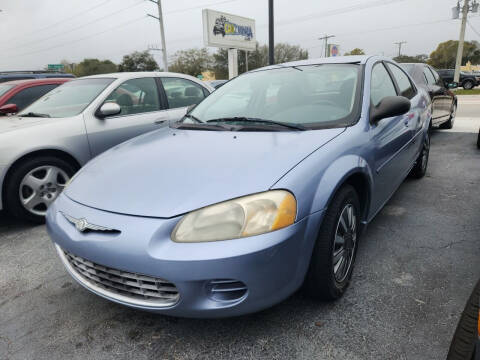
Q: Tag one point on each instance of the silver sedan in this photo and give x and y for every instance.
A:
(43, 147)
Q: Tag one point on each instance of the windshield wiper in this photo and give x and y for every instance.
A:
(201, 126)
(193, 117)
(261, 121)
(33, 114)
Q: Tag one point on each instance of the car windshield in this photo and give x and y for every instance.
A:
(68, 99)
(4, 88)
(313, 96)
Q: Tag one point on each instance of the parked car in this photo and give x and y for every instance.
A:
(466, 340)
(216, 83)
(263, 186)
(444, 101)
(467, 80)
(17, 95)
(51, 139)
(30, 75)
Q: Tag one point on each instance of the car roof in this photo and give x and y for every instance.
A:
(140, 74)
(37, 81)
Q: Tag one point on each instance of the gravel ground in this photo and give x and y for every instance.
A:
(416, 266)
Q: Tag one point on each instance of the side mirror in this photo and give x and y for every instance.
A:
(390, 106)
(9, 109)
(108, 109)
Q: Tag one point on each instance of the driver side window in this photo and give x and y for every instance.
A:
(136, 96)
(381, 84)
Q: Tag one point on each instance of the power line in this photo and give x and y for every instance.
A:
(76, 28)
(471, 27)
(199, 7)
(81, 39)
(67, 19)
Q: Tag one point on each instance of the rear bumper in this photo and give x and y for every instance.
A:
(272, 266)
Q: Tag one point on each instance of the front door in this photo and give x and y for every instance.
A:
(391, 138)
(141, 111)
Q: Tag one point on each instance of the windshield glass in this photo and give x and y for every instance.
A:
(313, 96)
(4, 88)
(68, 99)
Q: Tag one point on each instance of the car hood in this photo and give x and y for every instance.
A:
(169, 172)
(12, 123)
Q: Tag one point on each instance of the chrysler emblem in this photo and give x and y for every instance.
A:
(83, 225)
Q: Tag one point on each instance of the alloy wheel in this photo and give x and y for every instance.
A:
(40, 187)
(345, 243)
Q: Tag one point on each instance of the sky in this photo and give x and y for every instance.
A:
(41, 32)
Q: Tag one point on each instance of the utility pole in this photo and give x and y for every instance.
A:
(325, 38)
(456, 12)
(162, 32)
(458, 62)
(400, 43)
(271, 44)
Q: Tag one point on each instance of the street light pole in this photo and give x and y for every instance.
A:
(271, 44)
(458, 62)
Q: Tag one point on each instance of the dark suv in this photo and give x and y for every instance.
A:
(467, 80)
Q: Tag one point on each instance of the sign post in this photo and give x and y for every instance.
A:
(231, 32)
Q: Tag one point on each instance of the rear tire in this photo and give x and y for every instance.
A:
(326, 279)
(420, 168)
(466, 334)
(17, 188)
(449, 124)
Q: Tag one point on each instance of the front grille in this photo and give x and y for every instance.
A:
(130, 287)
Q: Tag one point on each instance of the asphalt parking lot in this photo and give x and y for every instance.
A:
(416, 266)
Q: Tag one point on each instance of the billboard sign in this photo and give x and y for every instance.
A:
(333, 50)
(228, 31)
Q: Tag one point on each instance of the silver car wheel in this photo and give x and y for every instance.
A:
(40, 187)
(345, 243)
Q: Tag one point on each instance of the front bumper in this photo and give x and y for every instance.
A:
(272, 266)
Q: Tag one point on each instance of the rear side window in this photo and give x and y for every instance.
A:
(404, 84)
(29, 95)
(381, 84)
(182, 92)
(429, 76)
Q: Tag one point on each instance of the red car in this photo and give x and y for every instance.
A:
(17, 95)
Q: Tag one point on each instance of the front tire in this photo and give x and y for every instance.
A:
(420, 168)
(34, 184)
(468, 85)
(334, 253)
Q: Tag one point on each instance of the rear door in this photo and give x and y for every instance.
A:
(179, 94)
(436, 94)
(142, 111)
(447, 99)
(391, 137)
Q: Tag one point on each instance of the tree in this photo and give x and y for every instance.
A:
(257, 58)
(422, 58)
(138, 61)
(93, 67)
(192, 61)
(444, 57)
(355, 51)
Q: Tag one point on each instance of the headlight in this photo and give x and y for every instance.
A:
(241, 217)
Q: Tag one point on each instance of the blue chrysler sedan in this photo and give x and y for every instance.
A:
(265, 186)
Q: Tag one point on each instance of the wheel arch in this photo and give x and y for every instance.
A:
(62, 154)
